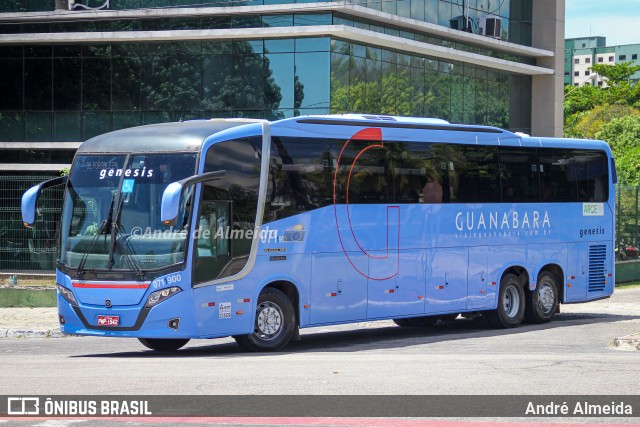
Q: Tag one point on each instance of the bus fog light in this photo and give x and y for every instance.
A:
(158, 296)
(67, 295)
(174, 323)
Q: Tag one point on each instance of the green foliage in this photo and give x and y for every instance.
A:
(616, 74)
(588, 123)
(623, 135)
(587, 108)
(582, 98)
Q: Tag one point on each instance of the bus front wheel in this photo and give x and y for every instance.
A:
(158, 344)
(275, 323)
(542, 303)
(510, 311)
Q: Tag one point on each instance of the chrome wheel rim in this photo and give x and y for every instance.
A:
(546, 298)
(268, 320)
(511, 301)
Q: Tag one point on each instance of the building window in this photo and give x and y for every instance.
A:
(576, 84)
(599, 83)
(586, 73)
(587, 60)
(576, 61)
(600, 59)
(622, 57)
(584, 45)
(611, 59)
(576, 73)
(634, 56)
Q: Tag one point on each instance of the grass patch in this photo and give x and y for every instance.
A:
(628, 285)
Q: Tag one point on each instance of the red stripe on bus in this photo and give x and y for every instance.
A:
(110, 286)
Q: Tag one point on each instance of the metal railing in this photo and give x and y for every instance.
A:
(28, 249)
(627, 217)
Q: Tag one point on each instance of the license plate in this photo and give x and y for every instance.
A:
(108, 320)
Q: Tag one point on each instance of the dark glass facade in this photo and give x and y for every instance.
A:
(71, 93)
(514, 16)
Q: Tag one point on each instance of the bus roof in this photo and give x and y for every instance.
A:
(385, 121)
(177, 136)
(190, 135)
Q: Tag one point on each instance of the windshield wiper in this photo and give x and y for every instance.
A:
(104, 230)
(117, 233)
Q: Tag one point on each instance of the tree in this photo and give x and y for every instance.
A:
(588, 123)
(616, 74)
(623, 135)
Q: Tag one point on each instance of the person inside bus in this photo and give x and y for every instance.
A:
(432, 190)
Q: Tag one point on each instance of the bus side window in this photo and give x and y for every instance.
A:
(227, 210)
(519, 177)
(557, 178)
(370, 179)
(477, 174)
(591, 172)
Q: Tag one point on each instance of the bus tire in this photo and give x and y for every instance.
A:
(542, 303)
(275, 323)
(510, 311)
(160, 344)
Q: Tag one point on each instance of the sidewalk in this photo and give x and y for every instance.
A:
(29, 322)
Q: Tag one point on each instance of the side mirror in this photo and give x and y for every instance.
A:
(170, 206)
(30, 199)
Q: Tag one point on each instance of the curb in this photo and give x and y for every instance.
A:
(28, 333)
(628, 342)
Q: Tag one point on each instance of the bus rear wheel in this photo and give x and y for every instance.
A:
(275, 323)
(510, 311)
(158, 344)
(542, 303)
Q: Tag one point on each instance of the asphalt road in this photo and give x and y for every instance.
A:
(571, 355)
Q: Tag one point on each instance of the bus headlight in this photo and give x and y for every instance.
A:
(158, 296)
(67, 295)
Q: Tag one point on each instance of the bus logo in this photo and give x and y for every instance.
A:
(392, 260)
(593, 209)
(23, 406)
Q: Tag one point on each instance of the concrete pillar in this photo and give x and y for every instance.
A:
(547, 91)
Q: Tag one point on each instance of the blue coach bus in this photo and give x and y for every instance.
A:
(255, 229)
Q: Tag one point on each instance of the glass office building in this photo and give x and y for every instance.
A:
(71, 70)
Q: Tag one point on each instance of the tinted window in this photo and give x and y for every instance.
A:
(478, 178)
(557, 177)
(425, 173)
(365, 172)
(591, 174)
(300, 177)
(519, 175)
(228, 205)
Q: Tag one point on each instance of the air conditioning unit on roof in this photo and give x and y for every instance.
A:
(458, 23)
(490, 26)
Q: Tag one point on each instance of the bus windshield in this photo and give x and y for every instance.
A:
(111, 214)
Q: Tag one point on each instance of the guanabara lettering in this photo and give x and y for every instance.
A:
(483, 221)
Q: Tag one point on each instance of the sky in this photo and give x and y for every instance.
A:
(617, 20)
